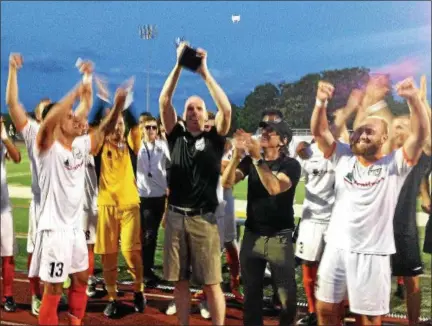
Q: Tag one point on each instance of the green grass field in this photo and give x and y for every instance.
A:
(19, 174)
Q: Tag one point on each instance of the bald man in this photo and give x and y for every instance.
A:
(192, 245)
(360, 234)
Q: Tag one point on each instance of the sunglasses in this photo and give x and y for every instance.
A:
(150, 127)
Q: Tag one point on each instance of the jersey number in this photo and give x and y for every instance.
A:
(56, 269)
(87, 235)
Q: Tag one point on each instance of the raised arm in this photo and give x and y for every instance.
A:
(373, 104)
(413, 146)
(108, 123)
(423, 96)
(223, 116)
(16, 110)
(231, 175)
(166, 109)
(342, 115)
(319, 124)
(11, 150)
(86, 98)
(45, 135)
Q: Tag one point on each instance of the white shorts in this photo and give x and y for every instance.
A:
(58, 254)
(366, 277)
(230, 229)
(310, 242)
(32, 225)
(89, 226)
(9, 246)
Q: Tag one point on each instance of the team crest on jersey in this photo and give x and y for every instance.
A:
(77, 153)
(375, 171)
(200, 144)
(349, 177)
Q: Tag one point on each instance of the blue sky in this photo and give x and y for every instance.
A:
(274, 41)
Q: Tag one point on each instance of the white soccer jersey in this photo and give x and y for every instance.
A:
(319, 186)
(152, 159)
(62, 184)
(29, 133)
(91, 185)
(4, 196)
(366, 197)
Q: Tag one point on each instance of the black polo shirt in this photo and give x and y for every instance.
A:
(195, 168)
(266, 215)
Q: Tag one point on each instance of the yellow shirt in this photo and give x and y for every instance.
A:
(117, 183)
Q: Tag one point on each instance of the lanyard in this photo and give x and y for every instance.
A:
(149, 158)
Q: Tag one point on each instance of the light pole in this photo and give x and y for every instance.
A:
(148, 32)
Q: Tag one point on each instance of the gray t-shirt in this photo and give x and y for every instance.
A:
(406, 208)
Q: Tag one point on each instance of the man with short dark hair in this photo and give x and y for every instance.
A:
(61, 248)
(191, 233)
(29, 128)
(272, 180)
(152, 164)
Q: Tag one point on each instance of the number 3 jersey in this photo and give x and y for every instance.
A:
(62, 184)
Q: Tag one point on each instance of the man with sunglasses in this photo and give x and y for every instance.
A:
(272, 180)
(152, 164)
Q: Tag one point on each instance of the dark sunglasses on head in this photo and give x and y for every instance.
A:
(151, 127)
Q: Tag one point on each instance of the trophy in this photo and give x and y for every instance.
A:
(189, 57)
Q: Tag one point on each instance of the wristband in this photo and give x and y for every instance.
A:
(376, 107)
(320, 103)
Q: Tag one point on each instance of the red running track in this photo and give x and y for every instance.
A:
(157, 302)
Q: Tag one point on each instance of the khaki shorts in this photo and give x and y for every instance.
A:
(114, 225)
(192, 248)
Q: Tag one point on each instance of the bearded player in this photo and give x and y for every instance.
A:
(360, 236)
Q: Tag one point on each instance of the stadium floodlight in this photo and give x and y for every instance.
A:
(148, 32)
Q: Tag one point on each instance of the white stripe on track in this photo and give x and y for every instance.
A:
(2, 322)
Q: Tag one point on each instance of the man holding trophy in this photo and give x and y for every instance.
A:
(192, 245)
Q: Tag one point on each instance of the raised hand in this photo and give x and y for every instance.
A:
(16, 60)
(325, 91)
(128, 84)
(240, 140)
(407, 89)
(180, 50)
(377, 88)
(423, 88)
(120, 95)
(202, 69)
(355, 98)
(102, 88)
(85, 67)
